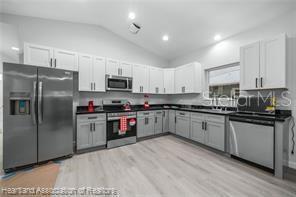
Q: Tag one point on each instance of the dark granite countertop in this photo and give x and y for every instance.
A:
(279, 115)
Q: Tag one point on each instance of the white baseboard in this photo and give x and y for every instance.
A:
(292, 164)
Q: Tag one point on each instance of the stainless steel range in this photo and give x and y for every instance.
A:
(118, 134)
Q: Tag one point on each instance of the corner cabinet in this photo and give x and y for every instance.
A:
(155, 80)
(91, 131)
(263, 64)
(140, 78)
(44, 56)
(91, 73)
(188, 78)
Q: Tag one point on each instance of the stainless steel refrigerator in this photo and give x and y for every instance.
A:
(37, 114)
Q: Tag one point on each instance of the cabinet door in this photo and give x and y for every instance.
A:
(188, 78)
(99, 133)
(273, 63)
(112, 67)
(140, 79)
(183, 126)
(38, 55)
(141, 127)
(155, 80)
(249, 66)
(150, 126)
(197, 132)
(98, 74)
(179, 80)
(172, 121)
(66, 60)
(158, 122)
(85, 63)
(165, 121)
(126, 69)
(215, 135)
(169, 81)
(84, 137)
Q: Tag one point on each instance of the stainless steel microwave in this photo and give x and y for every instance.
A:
(116, 83)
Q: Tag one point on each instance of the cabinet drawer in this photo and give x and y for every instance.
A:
(215, 118)
(183, 113)
(145, 113)
(159, 113)
(91, 117)
(195, 115)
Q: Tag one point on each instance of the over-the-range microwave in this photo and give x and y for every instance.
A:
(116, 83)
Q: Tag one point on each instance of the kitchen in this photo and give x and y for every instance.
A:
(170, 81)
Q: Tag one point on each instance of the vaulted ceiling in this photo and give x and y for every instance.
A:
(190, 24)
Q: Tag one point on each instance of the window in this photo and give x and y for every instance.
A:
(224, 81)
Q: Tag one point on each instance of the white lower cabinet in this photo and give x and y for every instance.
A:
(183, 123)
(172, 121)
(208, 129)
(165, 121)
(91, 131)
(158, 122)
(145, 126)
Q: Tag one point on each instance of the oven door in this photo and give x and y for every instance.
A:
(118, 83)
(113, 127)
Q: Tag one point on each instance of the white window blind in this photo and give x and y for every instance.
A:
(225, 75)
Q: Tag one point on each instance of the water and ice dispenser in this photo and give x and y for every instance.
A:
(20, 103)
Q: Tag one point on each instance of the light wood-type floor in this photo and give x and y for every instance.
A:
(169, 166)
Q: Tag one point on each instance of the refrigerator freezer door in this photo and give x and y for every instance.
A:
(19, 118)
(55, 111)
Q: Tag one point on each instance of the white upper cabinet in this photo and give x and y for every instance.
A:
(91, 73)
(140, 79)
(112, 67)
(126, 69)
(85, 72)
(188, 78)
(67, 60)
(155, 80)
(118, 68)
(250, 65)
(169, 81)
(38, 55)
(50, 57)
(273, 62)
(99, 70)
(263, 64)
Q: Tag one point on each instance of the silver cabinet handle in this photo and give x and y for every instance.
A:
(163, 90)
(40, 102)
(261, 82)
(50, 62)
(90, 126)
(94, 126)
(155, 119)
(256, 82)
(91, 86)
(55, 63)
(94, 86)
(34, 102)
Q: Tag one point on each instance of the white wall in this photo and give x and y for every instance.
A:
(227, 52)
(82, 38)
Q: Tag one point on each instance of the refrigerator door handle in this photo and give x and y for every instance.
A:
(34, 103)
(40, 97)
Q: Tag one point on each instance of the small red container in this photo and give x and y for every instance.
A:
(91, 106)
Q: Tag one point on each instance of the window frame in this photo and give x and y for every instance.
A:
(206, 95)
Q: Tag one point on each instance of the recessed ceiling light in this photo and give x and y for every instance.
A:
(217, 37)
(132, 15)
(15, 48)
(165, 38)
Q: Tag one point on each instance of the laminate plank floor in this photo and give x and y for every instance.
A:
(167, 167)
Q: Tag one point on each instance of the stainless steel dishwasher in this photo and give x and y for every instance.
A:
(252, 140)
